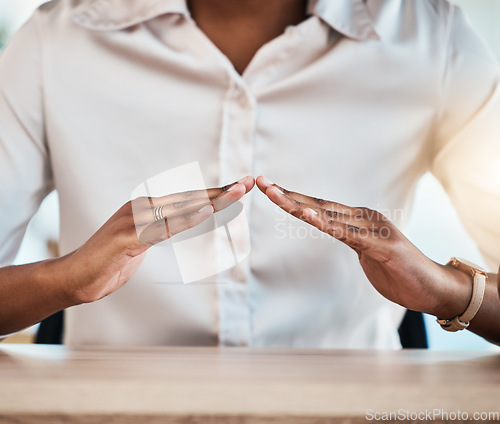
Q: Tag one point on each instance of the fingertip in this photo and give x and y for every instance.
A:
(247, 181)
(267, 181)
(264, 181)
(260, 183)
(251, 185)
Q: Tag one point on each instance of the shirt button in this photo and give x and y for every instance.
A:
(242, 99)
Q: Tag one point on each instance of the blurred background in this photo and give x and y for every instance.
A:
(434, 225)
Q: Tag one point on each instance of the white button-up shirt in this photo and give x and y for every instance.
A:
(353, 105)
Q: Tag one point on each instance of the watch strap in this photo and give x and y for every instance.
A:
(461, 322)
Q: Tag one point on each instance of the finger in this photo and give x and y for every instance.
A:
(248, 182)
(358, 216)
(189, 196)
(292, 206)
(171, 210)
(341, 231)
(227, 198)
(163, 230)
(264, 183)
(317, 203)
(210, 193)
(182, 223)
(190, 201)
(348, 234)
(358, 238)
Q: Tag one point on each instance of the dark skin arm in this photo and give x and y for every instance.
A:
(30, 293)
(394, 266)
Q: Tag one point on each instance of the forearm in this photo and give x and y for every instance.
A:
(487, 321)
(457, 296)
(30, 293)
(103, 264)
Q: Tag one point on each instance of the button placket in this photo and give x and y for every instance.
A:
(236, 160)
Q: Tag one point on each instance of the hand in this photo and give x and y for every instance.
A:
(113, 254)
(394, 266)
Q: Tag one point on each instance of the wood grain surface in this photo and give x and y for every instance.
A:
(56, 384)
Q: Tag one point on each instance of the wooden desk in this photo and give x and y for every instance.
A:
(54, 384)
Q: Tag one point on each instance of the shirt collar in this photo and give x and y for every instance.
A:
(109, 15)
(349, 17)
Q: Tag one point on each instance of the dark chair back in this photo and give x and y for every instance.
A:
(411, 331)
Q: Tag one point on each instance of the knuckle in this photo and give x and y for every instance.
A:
(143, 201)
(138, 205)
(178, 205)
(331, 214)
(125, 210)
(353, 229)
(359, 244)
(384, 232)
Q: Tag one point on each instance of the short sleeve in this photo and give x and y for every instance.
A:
(466, 158)
(25, 176)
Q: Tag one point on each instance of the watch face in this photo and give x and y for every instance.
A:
(469, 264)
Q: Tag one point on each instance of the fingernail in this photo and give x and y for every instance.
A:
(206, 209)
(267, 181)
(242, 180)
(233, 186)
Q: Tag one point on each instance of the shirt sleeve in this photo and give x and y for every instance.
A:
(25, 175)
(466, 157)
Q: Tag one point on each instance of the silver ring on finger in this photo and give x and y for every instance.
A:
(158, 213)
